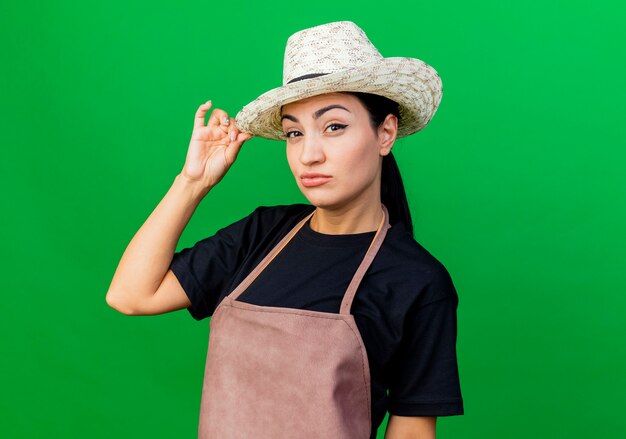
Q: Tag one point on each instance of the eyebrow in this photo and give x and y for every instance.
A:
(317, 114)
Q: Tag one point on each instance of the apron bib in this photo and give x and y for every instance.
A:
(274, 372)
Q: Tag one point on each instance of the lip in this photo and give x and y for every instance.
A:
(312, 179)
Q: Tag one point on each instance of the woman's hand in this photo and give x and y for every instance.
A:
(213, 147)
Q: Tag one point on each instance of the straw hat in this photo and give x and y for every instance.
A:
(337, 57)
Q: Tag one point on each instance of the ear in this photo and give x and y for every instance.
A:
(387, 132)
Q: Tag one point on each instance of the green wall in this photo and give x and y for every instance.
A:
(517, 186)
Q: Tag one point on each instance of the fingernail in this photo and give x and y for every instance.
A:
(225, 120)
(233, 135)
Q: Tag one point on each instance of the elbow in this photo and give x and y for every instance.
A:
(116, 301)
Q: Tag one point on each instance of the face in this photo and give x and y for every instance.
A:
(334, 153)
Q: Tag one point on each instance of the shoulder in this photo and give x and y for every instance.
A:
(264, 217)
(275, 220)
(263, 226)
(423, 276)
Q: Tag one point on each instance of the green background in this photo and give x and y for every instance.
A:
(517, 186)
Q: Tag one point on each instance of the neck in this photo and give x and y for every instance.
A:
(345, 221)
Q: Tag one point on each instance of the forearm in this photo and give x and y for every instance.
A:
(149, 254)
(411, 427)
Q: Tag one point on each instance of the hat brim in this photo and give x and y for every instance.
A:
(413, 84)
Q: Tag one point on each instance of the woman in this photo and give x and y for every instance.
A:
(317, 310)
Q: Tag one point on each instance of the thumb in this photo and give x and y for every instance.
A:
(232, 151)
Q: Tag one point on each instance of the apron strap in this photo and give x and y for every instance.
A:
(348, 297)
(267, 259)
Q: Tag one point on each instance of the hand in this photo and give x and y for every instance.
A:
(213, 147)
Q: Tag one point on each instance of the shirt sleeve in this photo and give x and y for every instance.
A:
(426, 379)
(206, 269)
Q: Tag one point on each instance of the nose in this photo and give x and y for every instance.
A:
(312, 151)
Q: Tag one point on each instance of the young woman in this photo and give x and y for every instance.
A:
(324, 316)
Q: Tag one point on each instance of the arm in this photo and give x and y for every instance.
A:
(411, 427)
(425, 381)
(142, 283)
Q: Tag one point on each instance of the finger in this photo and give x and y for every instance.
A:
(244, 137)
(232, 151)
(219, 118)
(233, 131)
(225, 123)
(232, 135)
(198, 120)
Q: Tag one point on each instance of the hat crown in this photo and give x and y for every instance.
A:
(327, 48)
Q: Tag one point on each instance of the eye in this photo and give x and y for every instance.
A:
(292, 133)
(336, 126)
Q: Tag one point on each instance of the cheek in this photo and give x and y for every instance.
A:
(362, 158)
(291, 158)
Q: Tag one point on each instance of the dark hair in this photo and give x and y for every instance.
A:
(392, 192)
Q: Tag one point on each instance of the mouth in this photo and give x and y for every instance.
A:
(314, 179)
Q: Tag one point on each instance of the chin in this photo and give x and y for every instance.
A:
(324, 200)
(318, 199)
